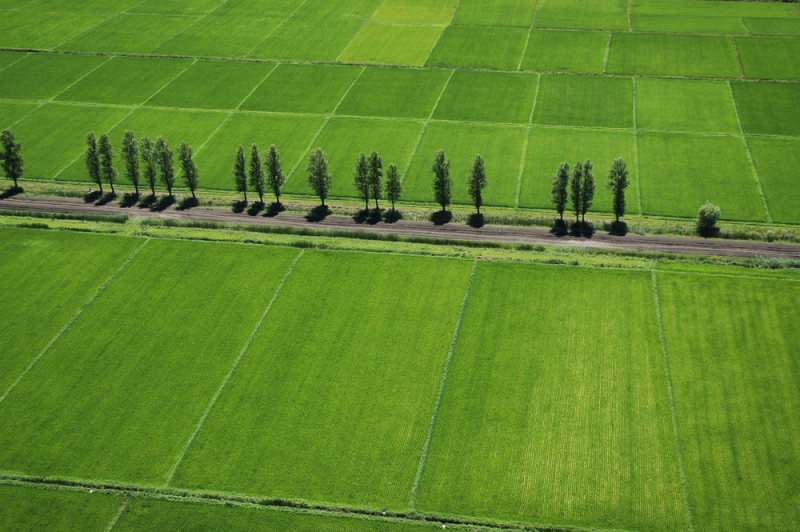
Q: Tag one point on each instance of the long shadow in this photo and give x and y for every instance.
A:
(13, 191)
(361, 216)
(560, 228)
(255, 208)
(274, 209)
(708, 232)
(584, 229)
(619, 228)
(441, 217)
(391, 216)
(187, 203)
(318, 213)
(239, 206)
(476, 220)
(163, 203)
(129, 200)
(91, 197)
(106, 198)
(148, 201)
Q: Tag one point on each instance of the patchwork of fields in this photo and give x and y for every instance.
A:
(492, 391)
(700, 97)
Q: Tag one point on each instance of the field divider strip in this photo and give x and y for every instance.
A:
(276, 28)
(255, 87)
(535, 14)
(367, 21)
(437, 404)
(630, 16)
(438, 39)
(527, 142)
(74, 317)
(213, 133)
(608, 52)
(242, 352)
(636, 150)
(87, 30)
(528, 38)
(671, 395)
(122, 507)
(15, 61)
(738, 58)
(26, 115)
(68, 87)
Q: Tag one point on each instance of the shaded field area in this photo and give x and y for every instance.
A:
(484, 391)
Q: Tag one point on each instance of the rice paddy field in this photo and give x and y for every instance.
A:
(699, 96)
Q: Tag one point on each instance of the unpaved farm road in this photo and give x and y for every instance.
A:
(516, 235)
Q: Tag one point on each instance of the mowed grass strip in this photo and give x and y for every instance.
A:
(342, 415)
(42, 76)
(392, 44)
(673, 55)
(416, 11)
(495, 12)
(776, 161)
(223, 35)
(566, 51)
(120, 392)
(557, 414)
(479, 47)
(31, 509)
(731, 344)
(488, 97)
(769, 58)
(685, 105)
(768, 108)
(36, 265)
(585, 101)
(597, 15)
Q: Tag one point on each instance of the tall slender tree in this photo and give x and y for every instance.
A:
(11, 156)
(394, 188)
(319, 178)
(376, 177)
(166, 167)
(256, 173)
(587, 189)
(190, 173)
(107, 169)
(130, 153)
(361, 179)
(477, 182)
(240, 172)
(93, 161)
(275, 177)
(558, 195)
(150, 160)
(575, 190)
(442, 183)
(617, 183)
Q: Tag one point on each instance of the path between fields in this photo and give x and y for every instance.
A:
(496, 233)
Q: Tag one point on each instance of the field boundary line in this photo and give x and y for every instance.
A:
(608, 52)
(528, 38)
(276, 28)
(26, 115)
(750, 155)
(523, 163)
(74, 317)
(242, 352)
(193, 24)
(671, 395)
(367, 21)
(535, 13)
(636, 151)
(68, 87)
(255, 87)
(738, 58)
(89, 29)
(213, 133)
(452, 19)
(630, 16)
(15, 61)
(122, 507)
(437, 404)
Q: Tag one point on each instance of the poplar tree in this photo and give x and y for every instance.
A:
(191, 175)
(318, 177)
(558, 195)
(11, 156)
(93, 161)
(361, 179)
(256, 173)
(150, 163)
(107, 170)
(617, 183)
(477, 182)
(575, 189)
(442, 183)
(130, 153)
(166, 166)
(240, 173)
(375, 177)
(394, 189)
(587, 189)
(275, 176)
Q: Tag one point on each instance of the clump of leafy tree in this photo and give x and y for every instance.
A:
(442, 184)
(93, 161)
(257, 173)
(375, 178)
(107, 170)
(394, 188)
(319, 179)
(130, 154)
(190, 173)
(11, 157)
(240, 172)
(275, 177)
(166, 166)
(477, 182)
(150, 160)
(361, 179)
(707, 218)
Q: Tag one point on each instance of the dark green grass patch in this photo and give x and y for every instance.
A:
(566, 51)
(11, 112)
(681, 172)
(42, 76)
(500, 146)
(769, 58)
(479, 47)
(597, 15)
(736, 397)
(573, 395)
(395, 92)
(6, 58)
(303, 88)
(585, 101)
(770, 108)
(694, 8)
(26, 29)
(31, 509)
(124, 80)
(221, 36)
(673, 55)
(773, 26)
(119, 394)
(488, 97)
(416, 11)
(689, 24)
(549, 147)
(495, 13)
(392, 44)
(685, 105)
(212, 85)
(777, 161)
(302, 40)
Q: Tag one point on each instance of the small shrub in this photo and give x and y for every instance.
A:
(707, 218)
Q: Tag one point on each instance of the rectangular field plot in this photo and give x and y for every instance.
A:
(495, 13)
(32, 509)
(768, 108)
(129, 380)
(129, 33)
(585, 101)
(40, 263)
(566, 51)
(395, 92)
(124, 80)
(557, 414)
(736, 397)
(305, 41)
(488, 97)
(290, 134)
(392, 45)
(212, 85)
(479, 47)
(220, 36)
(303, 89)
(342, 415)
(769, 58)
(680, 172)
(416, 11)
(773, 26)
(580, 14)
(42, 76)
(673, 55)
(549, 147)
(777, 161)
(689, 24)
(344, 139)
(703, 8)
(685, 105)
(500, 146)
(12, 112)
(24, 29)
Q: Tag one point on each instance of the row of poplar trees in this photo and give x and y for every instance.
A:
(579, 189)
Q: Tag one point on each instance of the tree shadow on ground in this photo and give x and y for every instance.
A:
(148, 201)
(187, 203)
(239, 206)
(391, 216)
(708, 232)
(318, 213)
(560, 227)
(255, 208)
(13, 191)
(584, 229)
(129, 200)
(274, 209)
(619, 228)
(368, 216)
(476, 220)
(106, 198)
(91, 197)
(441, 217)
(163, 203)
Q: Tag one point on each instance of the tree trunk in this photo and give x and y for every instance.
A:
(193, 196)
(136, 186)
(101, 187)
(112, 188)
(376, 204)
(245, 195)
(15, 183)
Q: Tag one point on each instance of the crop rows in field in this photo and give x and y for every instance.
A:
(574, 396)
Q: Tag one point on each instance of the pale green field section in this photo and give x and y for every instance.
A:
(129, 33)
(592, 15)
(44, 30)
(392, 45)
(776, 161)
(495, 12)
(769, 58)
(416, 11)
(26, 509)
(221, 36)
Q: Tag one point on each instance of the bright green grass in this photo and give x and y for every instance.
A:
(175, 7)
(6, 58)
(12, 112)
(32, 509)
(500, 146)
(689, 24)
(495, 12)
(325, 10)
(175, 126)
(395, 92)
(769, 58)
(685, 105)
(566, 51)
(479, 47)
(488, 97)
(46, 31)
(730, 345)
(770, 108)
(681, 172)
(392, 45)
(341, 416)
(585, 101)
(307, 41)
(416, 11)
(773, 26)
(673, 55)
(290, 134)
(558, 412)
(38, 263)
(124, 80)
(118, 396)
(49, 149)
(42, 76)
(695, 8)
(221, 36)
(593, 15)
(303, 88)
(130, 33)
(777, 161)
(344, 139)
(212, 85)
(87, 6)
(246, 8)
(549, 147)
